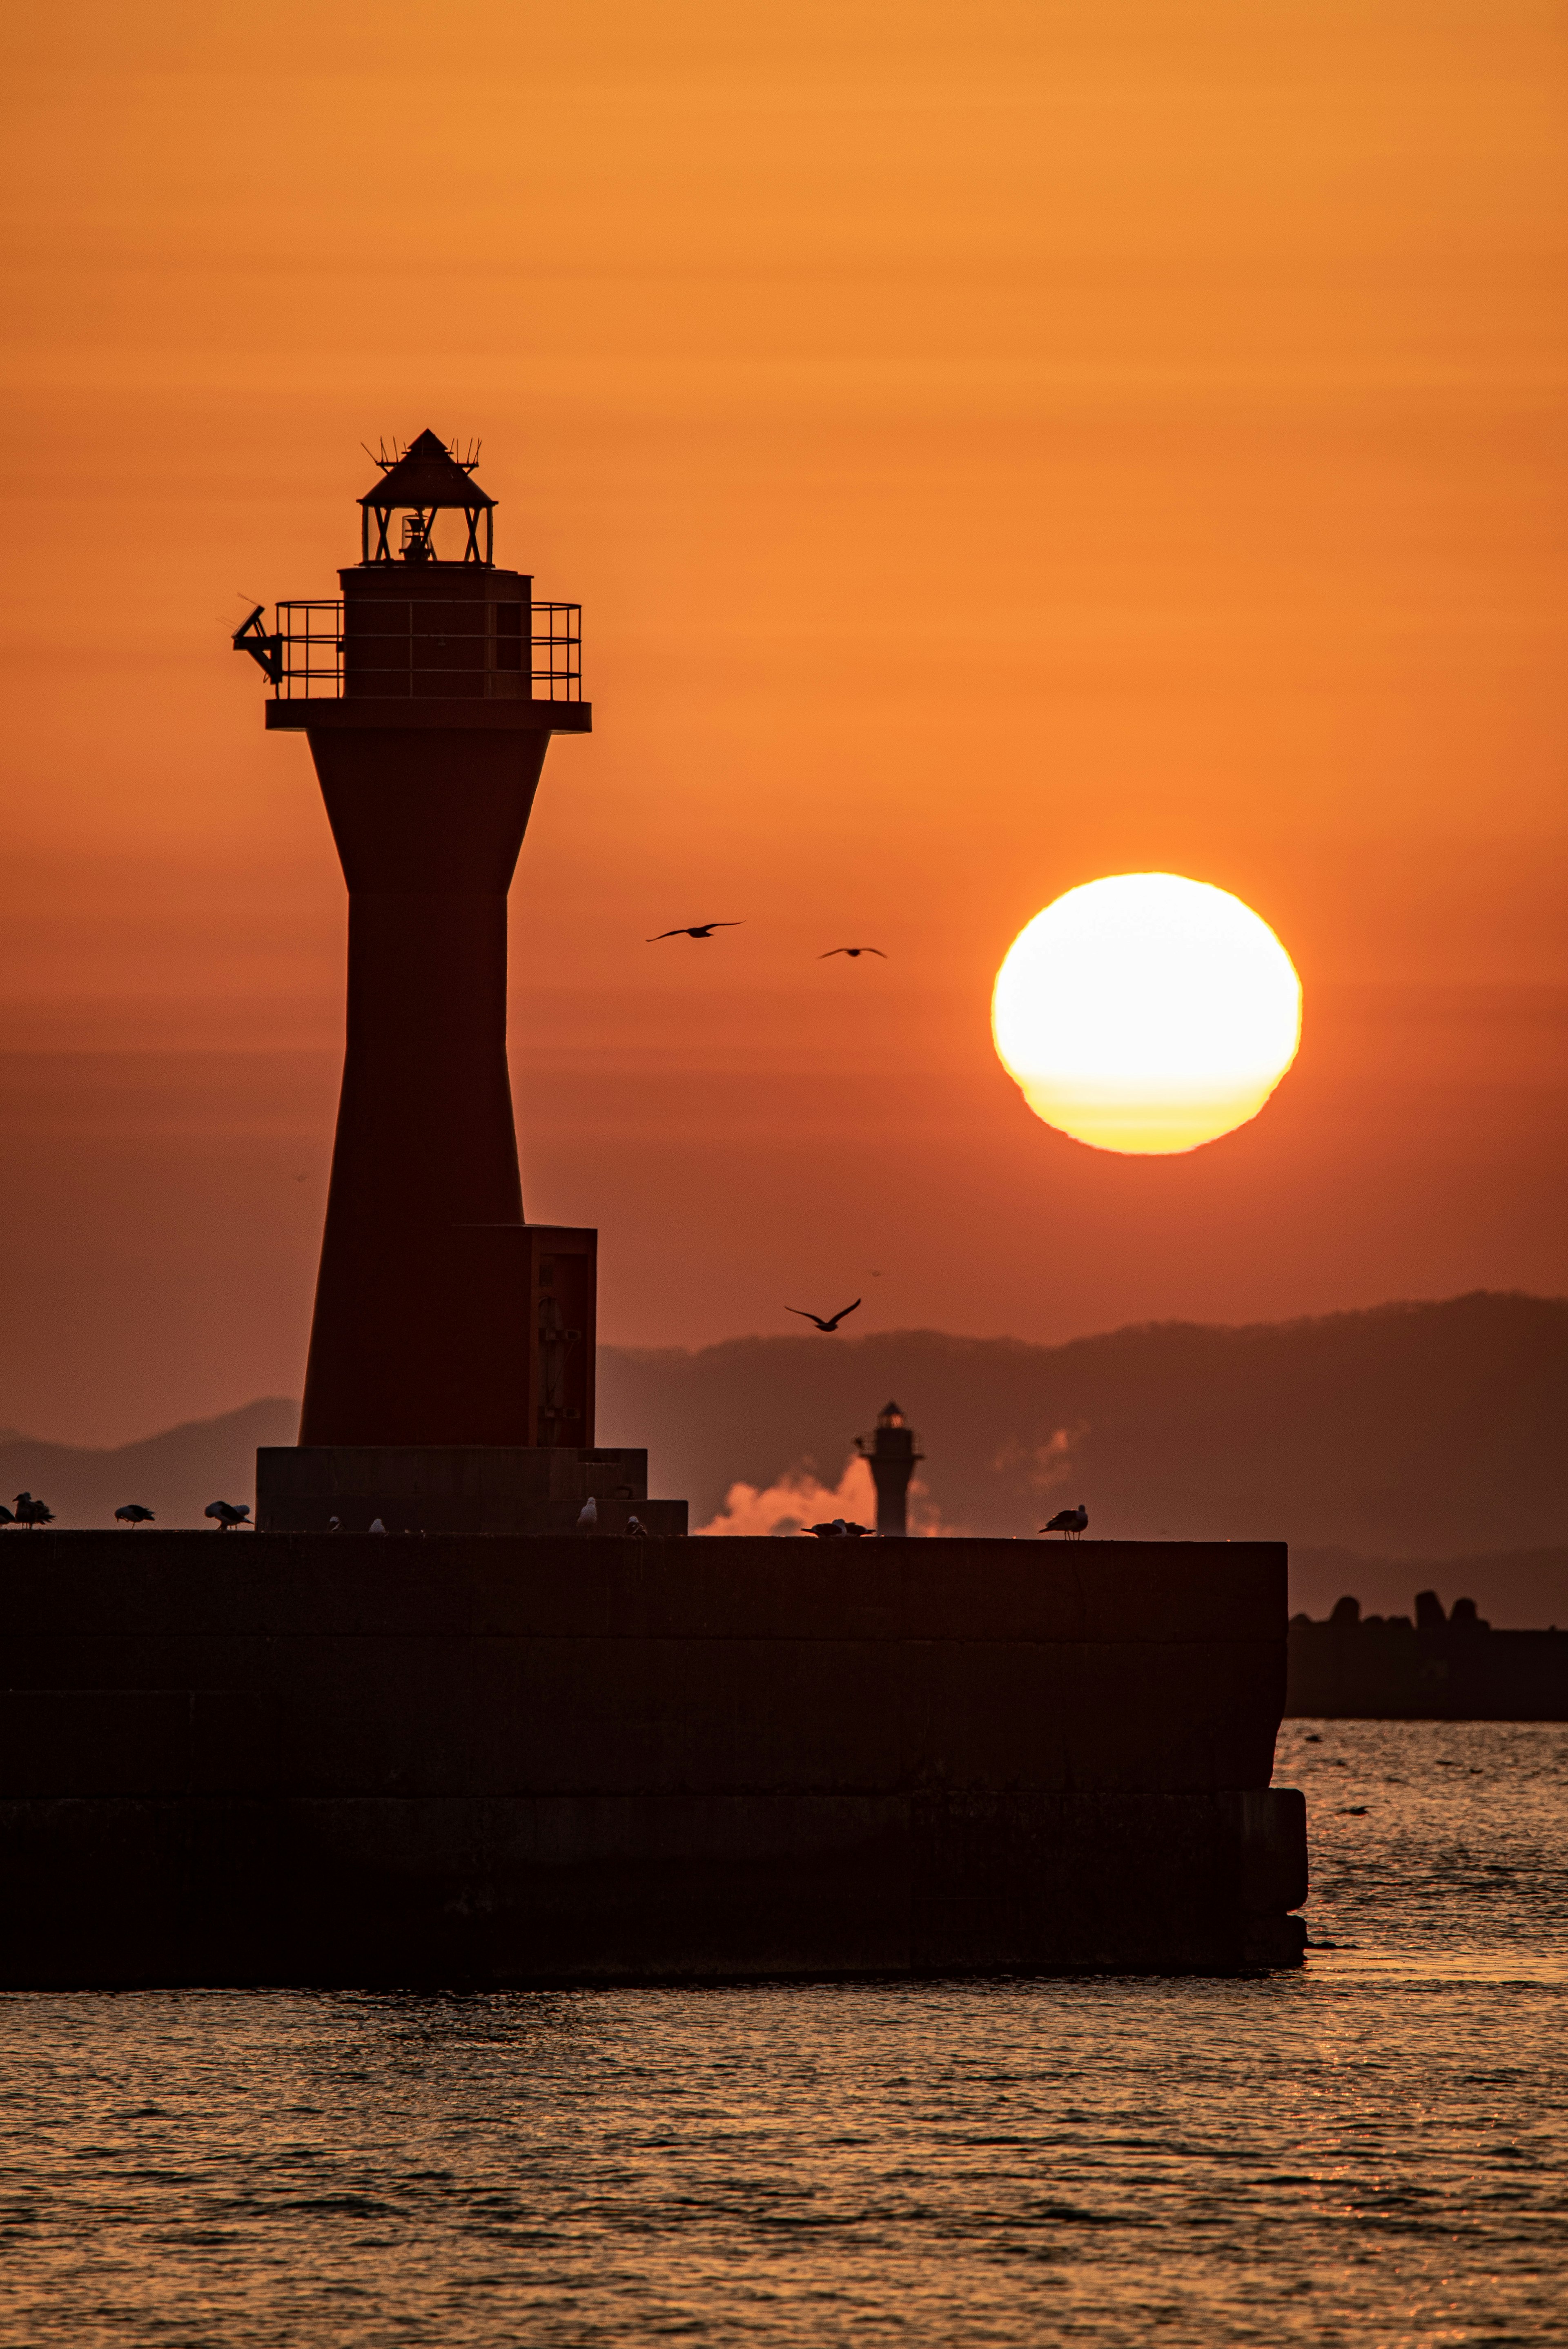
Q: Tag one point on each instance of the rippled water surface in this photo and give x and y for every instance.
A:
(1371, 2151)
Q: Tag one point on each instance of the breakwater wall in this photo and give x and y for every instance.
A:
(1427, 1667)
(258, 1758)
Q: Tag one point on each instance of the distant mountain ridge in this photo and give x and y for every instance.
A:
(175, 1473)
(1406, 1432)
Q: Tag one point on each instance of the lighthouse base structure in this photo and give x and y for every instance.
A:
(293, 1759)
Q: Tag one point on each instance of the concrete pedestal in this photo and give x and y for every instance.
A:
(456, 1488)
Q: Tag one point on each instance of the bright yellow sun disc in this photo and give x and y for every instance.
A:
(1146, 1013)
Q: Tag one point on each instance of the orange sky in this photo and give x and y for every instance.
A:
(994, 446)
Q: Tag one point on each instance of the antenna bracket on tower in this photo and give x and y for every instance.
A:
(266, 651)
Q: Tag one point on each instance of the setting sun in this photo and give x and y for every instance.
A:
(1146, 1013)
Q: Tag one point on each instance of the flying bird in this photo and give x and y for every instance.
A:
(588, 1515)
(133, 1514)
(852, 952)
(227, 1513)
(1070, 1523)
(31, 1512)
(828, 1327)
(698, 930)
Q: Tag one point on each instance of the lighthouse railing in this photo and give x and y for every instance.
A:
(310, 651)
(309, 640)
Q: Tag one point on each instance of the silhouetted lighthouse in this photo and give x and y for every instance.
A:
(429, 694)
(891, 1454)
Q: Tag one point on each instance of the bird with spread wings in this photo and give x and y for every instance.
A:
(829, 1326)
(697, 930)
(852, 952)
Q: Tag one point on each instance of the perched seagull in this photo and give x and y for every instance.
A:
(31, 1512)
(852, 952)
(6, 1519)
(698, 930)
(828, 1327)
(1070, 1523)
(838, 1530)
(588, 1516)
(334, 1525)
(133, 1514)
(636, 1528)
(227, 1514)
(376, 1526)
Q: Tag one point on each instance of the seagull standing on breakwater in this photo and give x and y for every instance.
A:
(133, 1514)
(228, 1512)
(588, 1516)
(829, 1326)
(1068, 1523)
(31, 1512)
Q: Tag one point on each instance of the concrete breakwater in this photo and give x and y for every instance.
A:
(317, 1759)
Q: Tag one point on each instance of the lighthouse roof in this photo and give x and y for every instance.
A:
(427, 474)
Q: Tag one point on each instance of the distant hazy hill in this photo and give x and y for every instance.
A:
(175, 1474)
(1413, 1433)
(1408, 1431)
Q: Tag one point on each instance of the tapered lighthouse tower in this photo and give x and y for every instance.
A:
(448, 1331)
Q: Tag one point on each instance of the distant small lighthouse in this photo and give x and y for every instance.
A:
(891, 1454)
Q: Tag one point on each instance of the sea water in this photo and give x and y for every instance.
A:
(1373, 2150)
